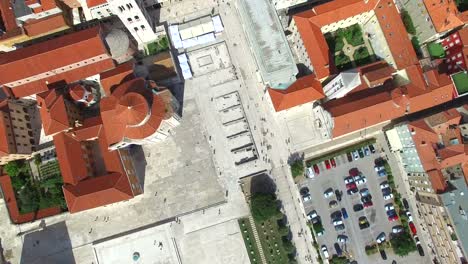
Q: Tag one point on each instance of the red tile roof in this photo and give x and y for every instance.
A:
(112, 78)
(93, 3)
(99, 191)
(444, 14)
(41, 58)
(90, 130)
(53, 112)
(304, 90)
(71, 157)
(7, 15)
(35, 27)
(132, 124)
(437, 180)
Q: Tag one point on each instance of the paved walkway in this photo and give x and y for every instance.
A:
(257, 240)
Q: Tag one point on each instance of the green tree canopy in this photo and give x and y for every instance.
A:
(403, 244)
(297, 168)
(12, 168)
(263, 206)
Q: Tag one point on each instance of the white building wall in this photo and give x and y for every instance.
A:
(100, 12)
(358, 19)
(135, 18)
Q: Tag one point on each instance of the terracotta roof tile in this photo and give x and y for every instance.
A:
(7, 15)
(93, 3)
(304, 90)
(90, 130)
(439, 184)
(35, 27)
(98, 191)
(112, 78)
(444, 14)
(71, 158)
(53, 112)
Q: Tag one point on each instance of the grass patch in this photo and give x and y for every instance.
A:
(461, 82)
(158, 46)
(436, 50)
(408, 22)
(339, 260)
(297, 168)
(352, 34)
(339, 152)
(342, 61)
(362, 57)
(249, 241)
(315, 244)
(32, 195)
(335, 42)
(462, 5)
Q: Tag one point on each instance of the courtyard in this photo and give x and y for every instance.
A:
(350, 47)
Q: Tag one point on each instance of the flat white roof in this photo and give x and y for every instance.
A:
(144, 243)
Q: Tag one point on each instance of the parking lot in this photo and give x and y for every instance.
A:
(376, 214)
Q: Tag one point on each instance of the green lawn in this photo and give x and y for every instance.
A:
(408, 22)
(158, 46)
(461, 82)
(362, 56)
(249, 241)
(352, 34)
(272, 242)
(436, 50)
(335, 42)
(342, 61)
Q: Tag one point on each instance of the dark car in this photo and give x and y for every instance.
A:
(350, 158)
(344, 213)
(420, 250)
(358, 207)
(338, 250)
(363, 222)
(405, 204)
(352, 191)
(354, 172)
(360, 152)
(338, 194)
(383, 254)
(304, 191)
(336, 215)
(372, 149)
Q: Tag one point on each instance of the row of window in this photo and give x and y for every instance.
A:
(137, 18)
(142, 27)
(122, 8)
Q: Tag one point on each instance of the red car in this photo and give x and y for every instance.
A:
(316, 169)
(413, 228)
(327, 165)
(393, 218)
(351, 185)
(333, 163)
(367, 204)
(354, 172)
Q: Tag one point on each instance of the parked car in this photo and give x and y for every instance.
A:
(361, 153)
(388, 196)
(353, 191)
(353, 172)
(397, 229)
(350, 158)
(368, 204)
(357, 178)
(389, 207)
(342, 238)
(358, 207)
(380, 238)
(393, 217)
(313, 214)
(338, 249)
(351, 186)
(344, 213)
(412, 228)
(340, 227)
(310, 173)
(316, 169)
(405, 203)
(383, 254)
(335, 216)
(371, 147)
(382, 173)
(367, 151)
(325, 251)
(328, 193)
(384, 185)
(410, 217)
(379, 168)
(363, 222)
(355, 155)
(348, 180)
(338, 194)
(362, 180)
(337, 222)
(420, 249)
(304, 191)
(333, 204)
(306, 197)
(327, 164)
(364, 192)
(333, 162)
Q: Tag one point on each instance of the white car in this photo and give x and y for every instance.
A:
(388, 197)
(328, 193)
(379, 168)
(348, 179)
(325, 251)
(320, 233)
(397, 229)
(342, 238)
(356, 155)
(389, 207)
(357, 177)
(312, 215)
(410, 217)
(380, 238)
(361, 181)
(337, 222)
(384, 185)
(306, 197)
(310, 173)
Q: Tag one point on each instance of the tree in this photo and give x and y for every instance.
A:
(408, 22)
(297, 168)
(288, 246)
(339, 260)
(403, 244)
(28, 200)
(263, 206)
(12, 168)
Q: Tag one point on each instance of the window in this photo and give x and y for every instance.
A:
(130, 19)
(137, 18)
(143, 27)
(135, 28)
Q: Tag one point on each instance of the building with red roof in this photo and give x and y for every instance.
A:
(444, 15)
(456, 51)
(135, 113)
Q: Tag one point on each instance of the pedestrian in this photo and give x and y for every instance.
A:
(90, 230)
